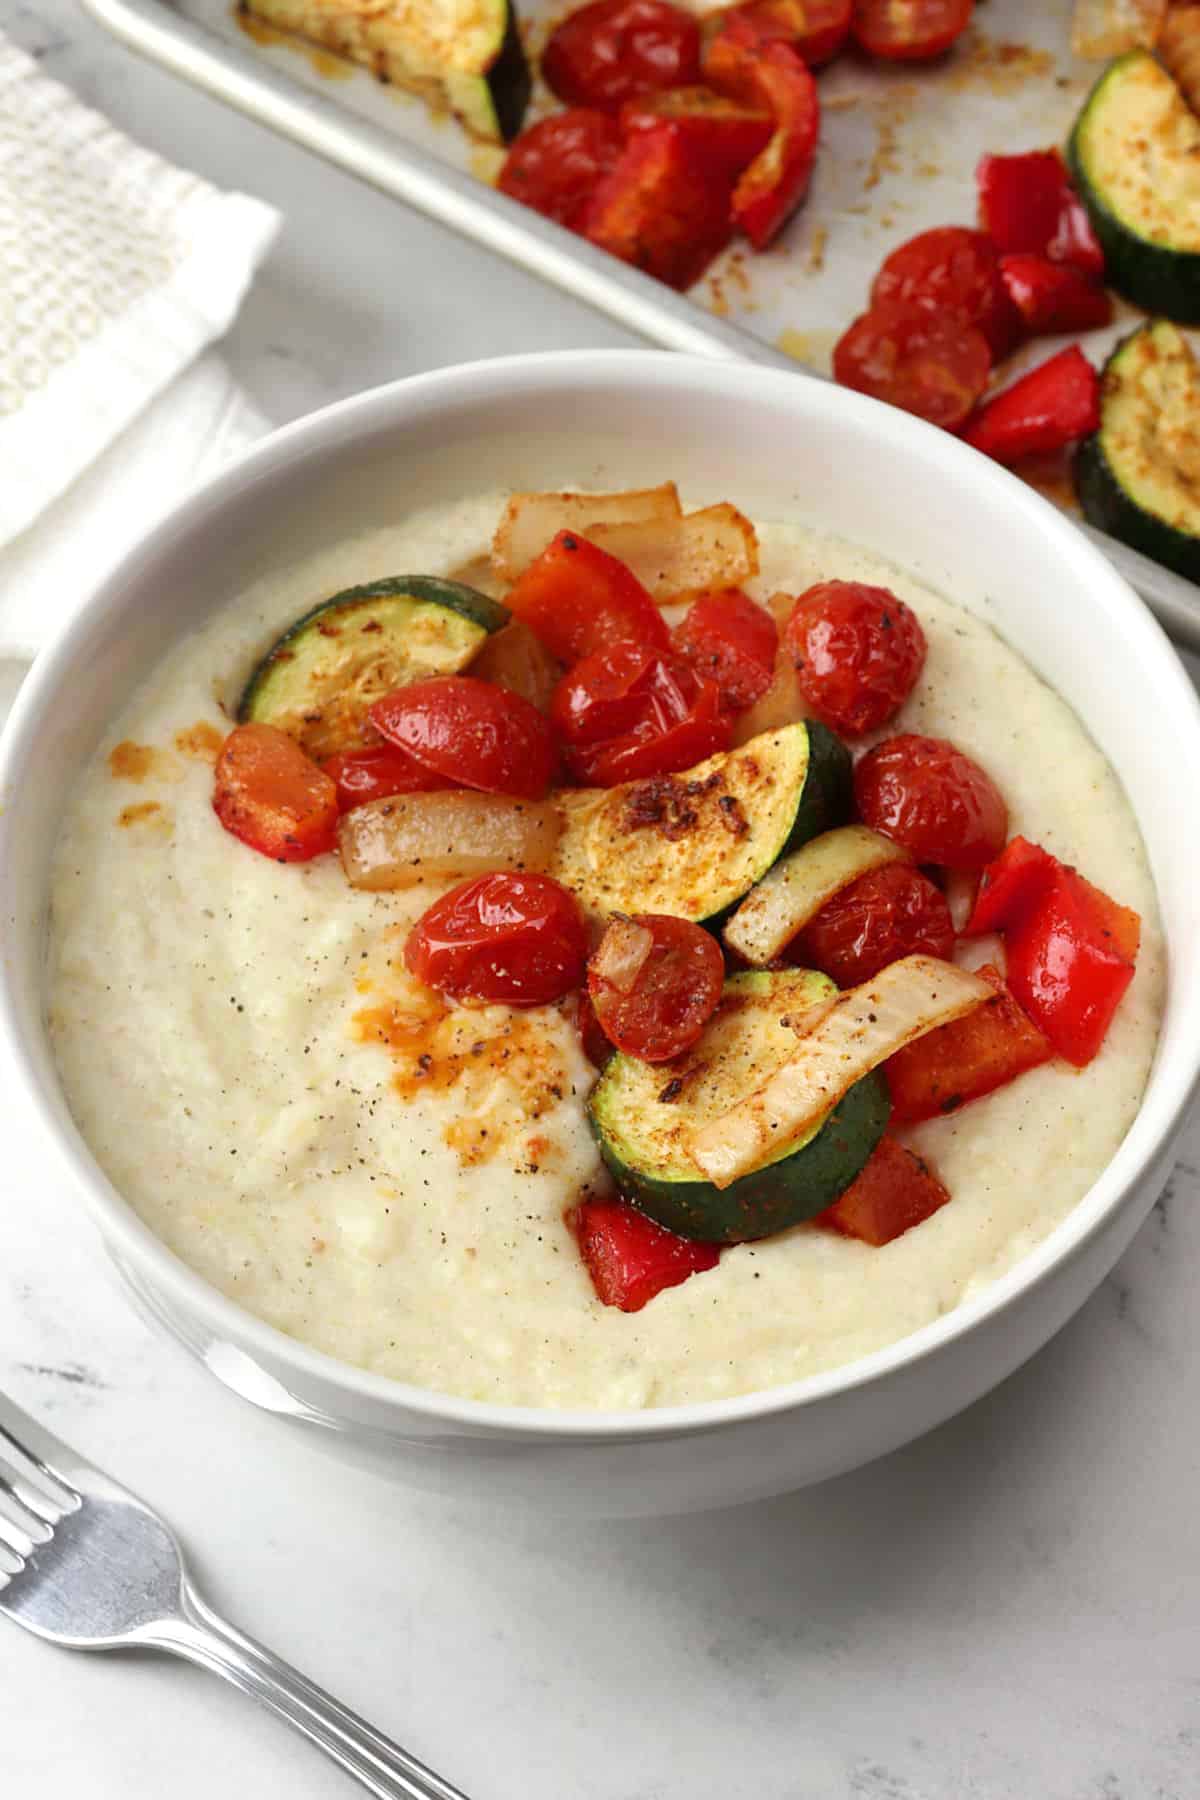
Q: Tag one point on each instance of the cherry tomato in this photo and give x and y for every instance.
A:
(884, 915)
(607, 52)
(931, 364)
(951, 270)
(596, 1046)
(631, 1259)
(655, 982)
(272, 796)
(909, 30)
(516, 940)
(470, 732)
(725, 135)
(578, 598)
(816, 29)
(376, 773)
(629, 712)
(858, 652)
(924, 793)
(732, 640)
(555, 164)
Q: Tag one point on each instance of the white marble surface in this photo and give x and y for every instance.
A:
(1007, 1610)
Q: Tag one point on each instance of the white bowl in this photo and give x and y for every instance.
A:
(781, 447)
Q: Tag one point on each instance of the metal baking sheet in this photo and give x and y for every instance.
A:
(898, 150)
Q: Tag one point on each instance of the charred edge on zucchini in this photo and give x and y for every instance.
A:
(638, 1114)
(318, 680)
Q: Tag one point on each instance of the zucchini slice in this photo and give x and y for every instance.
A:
(464, 55)
(1135, 156)
(640, 1113)
(1138, 476)
(318, 680)
(693, 844)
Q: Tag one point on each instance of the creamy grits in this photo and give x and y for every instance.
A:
(385, 1176)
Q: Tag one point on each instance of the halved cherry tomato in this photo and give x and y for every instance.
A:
(966, 1059)
(816, 29)
(891, 912)
(661, 207)
(377, 773)
(951, 270)
(731, 640)
(1027, 205)
(724, 134)
(895, 1191)
(272, 796)
(858, 652)
(655, 982)
(773, 75)
(1046, 409)
(554, 165)
(927, 795)
(605, 53)
(933, 365)
(631, 1259)
(579, 599)
(476, 735)
(909, 30)
(515, 940)
(628, 712)
(1054, 296)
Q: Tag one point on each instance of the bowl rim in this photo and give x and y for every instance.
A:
(1170, 1087)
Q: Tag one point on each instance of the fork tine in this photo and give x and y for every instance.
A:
(10, 1564)
(37, 1457)
(23, 1529)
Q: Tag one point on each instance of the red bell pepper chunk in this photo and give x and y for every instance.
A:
(661, 207)
(631, 1259)
(267, 792)
(1047, 409)
(1066, 964)
(816, 29)
(578, 599)
(774, 185)
(966, 1059)
(1027, 204)
(1054, 296)
(895, 1191)
(1010, 887)
(1071, 948)
(725, 134)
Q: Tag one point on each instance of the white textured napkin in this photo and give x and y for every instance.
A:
(116, 272)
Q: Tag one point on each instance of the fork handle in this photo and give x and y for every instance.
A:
(200, 1636)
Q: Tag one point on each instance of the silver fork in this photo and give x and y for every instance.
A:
(86, 1564)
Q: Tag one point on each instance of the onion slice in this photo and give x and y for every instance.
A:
(398, 842)
(714, 548)
(795, 890)
(865, 1026)
(529, 521)
(621, 954)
